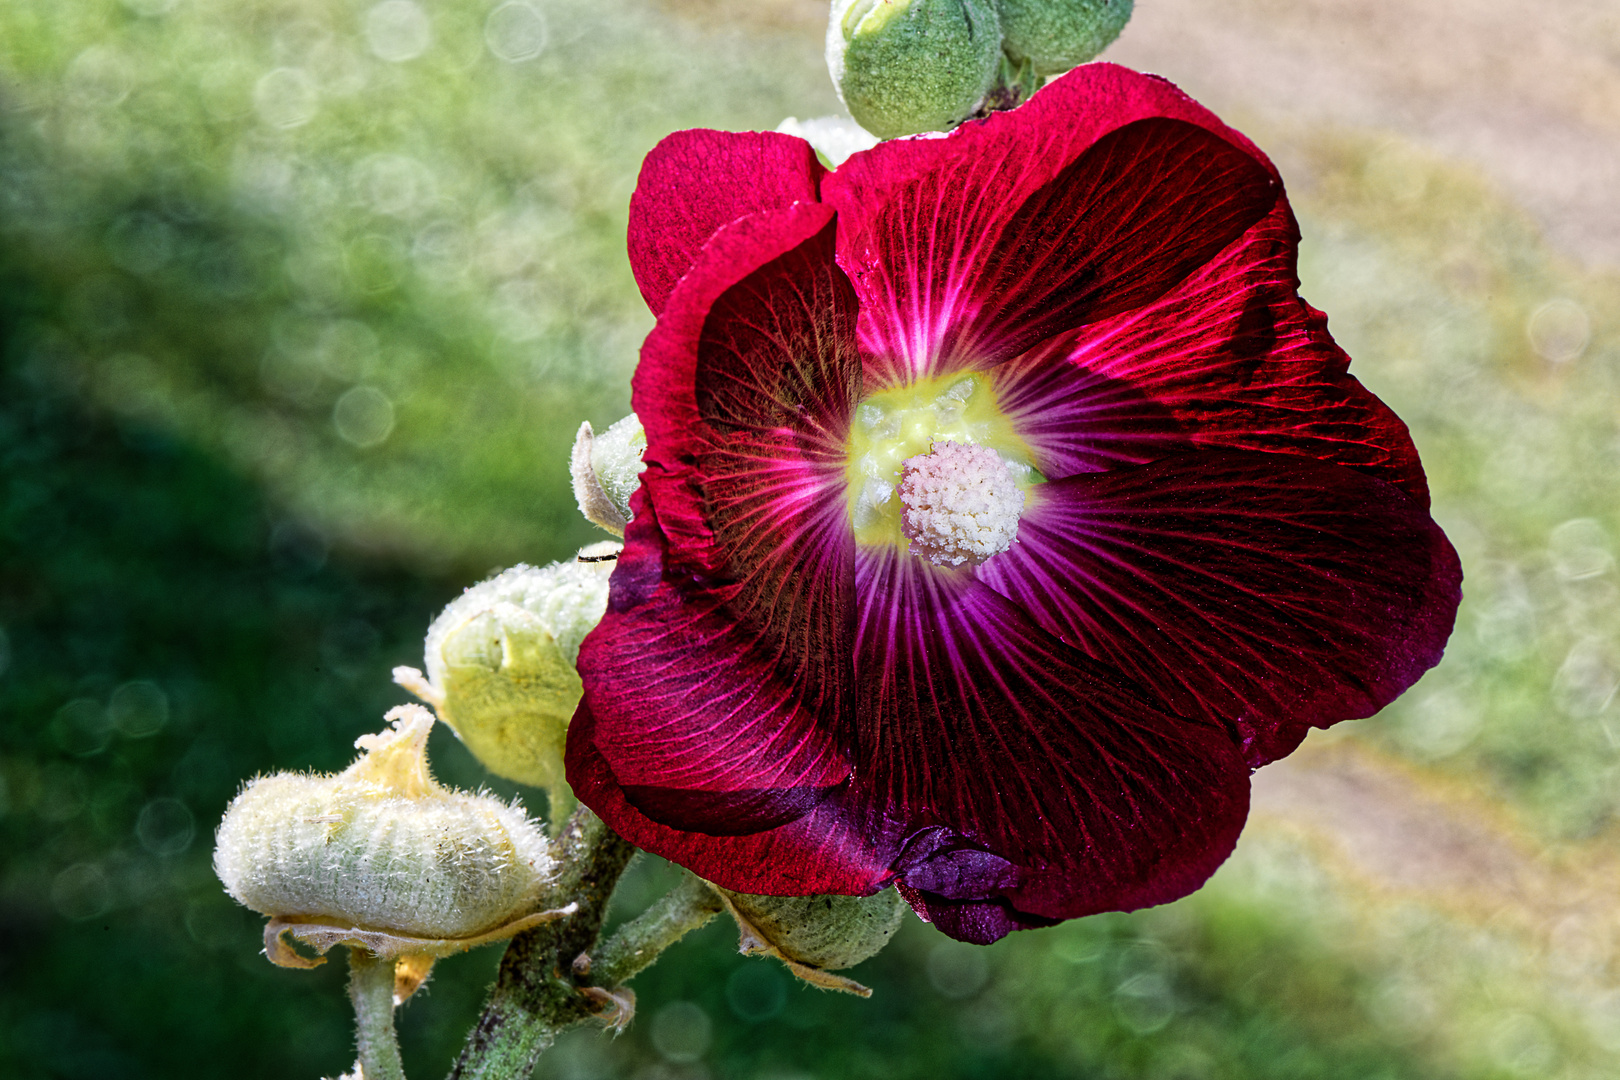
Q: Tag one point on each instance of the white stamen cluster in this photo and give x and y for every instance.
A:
(961, 504)
(894, 431)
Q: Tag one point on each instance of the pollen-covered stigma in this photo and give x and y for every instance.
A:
(935, 467)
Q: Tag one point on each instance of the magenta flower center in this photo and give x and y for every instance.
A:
(936, 467)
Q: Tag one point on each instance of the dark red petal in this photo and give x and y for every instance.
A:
(1231, 358)
(703, 722)
(730, 619)
(1096, 197)
(745, 388)
(695, 182)
(1265, 591)
(1032, 779)
(814, 853)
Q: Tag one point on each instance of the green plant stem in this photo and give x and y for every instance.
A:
(371, 989)
(535, 996)
(638, 943)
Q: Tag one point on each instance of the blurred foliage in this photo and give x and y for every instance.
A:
(331, 241)
(1505, 363)
(300, 305)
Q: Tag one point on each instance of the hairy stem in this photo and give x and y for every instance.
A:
(371, 989)
(638, 943)
(535, 996)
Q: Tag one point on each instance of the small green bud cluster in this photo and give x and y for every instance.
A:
(816, 935)
(909, 66)
(500, 665)
(381, 856)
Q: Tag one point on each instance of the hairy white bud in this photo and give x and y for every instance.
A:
(381, 855)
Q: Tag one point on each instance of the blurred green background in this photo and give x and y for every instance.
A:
(300, 305)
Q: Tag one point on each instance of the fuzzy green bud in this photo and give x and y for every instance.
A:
(1056, 35)
(907, 66)
(381, 856)
(606, 471)
(500, 665)
(816, 935)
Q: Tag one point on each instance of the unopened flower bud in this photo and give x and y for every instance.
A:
(606, 470)
(816, 935)
(1057, 35)
(500, 665)
(380, 856)
(906, 66)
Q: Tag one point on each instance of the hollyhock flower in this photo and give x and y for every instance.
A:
(1004, 507)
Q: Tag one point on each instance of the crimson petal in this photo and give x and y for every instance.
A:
(1231, 358)
(746, 387)
(699, 725)
(814, 853)
(730, 617)
(1266, 591)
(695, 182)
(1096, 197)
(1034, 782)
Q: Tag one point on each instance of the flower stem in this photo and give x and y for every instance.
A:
(535, 996)
(371, 989)
(638, 943)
